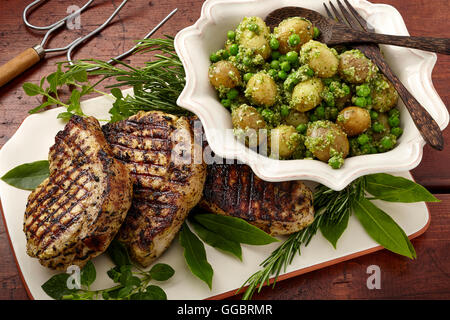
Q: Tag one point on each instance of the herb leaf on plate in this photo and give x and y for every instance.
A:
(216, 240)
(195, 255)
(27, 176)
(88, 274)
(383, 229)
(234, 229)
(397, 189)
(56, 286)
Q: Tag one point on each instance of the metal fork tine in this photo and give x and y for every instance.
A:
(329, 14)
(339, 18)
(366, 26)
(350, 19)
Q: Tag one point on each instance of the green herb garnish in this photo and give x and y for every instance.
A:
(27, 176)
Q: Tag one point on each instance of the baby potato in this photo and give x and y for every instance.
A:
(355, 68)
(325, 138)
(384, 96)
(354, 120)
(247, 123)
(307, 94)
(294, 25)
(252, 33)
(295, 118)
(321, 59)
(286, 139)
(224, 74)
(261, 90)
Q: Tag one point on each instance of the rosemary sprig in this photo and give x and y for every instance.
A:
(330, 206)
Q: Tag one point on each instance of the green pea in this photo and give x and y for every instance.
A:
(377, 127)
(335, 162)
(273, 73)
(373, 115)
(225, 54)
(276, 55)
(285, 66)
(394, 112)
(397, 131)
(253, 27)
(373, 150)
(284, 110)
(226, 103)
(316, 33)
(313, 118)
(274, 44)
(301, 128)
(309, 72)
(394, 121)
(234, 49)
(247, 76)
(360, 102)
(346, 89)
(334, 113)
(366, 149)
(267, 114)
(282, 58)
(329, 99)
(282, 75)
(308, 154)
(292, 57)
(320, 112)
(247, 61)
(363, 139)
(387, 142)
(214, 57)
(231, 35)
(275, 64)
(232, 94)
(294, 39)
(362, 90)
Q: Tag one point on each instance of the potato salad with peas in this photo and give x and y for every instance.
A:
(310, 100)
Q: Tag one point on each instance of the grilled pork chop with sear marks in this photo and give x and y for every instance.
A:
(159, 151)
(278, 208)
(74, 214)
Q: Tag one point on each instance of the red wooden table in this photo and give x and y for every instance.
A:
(428, 277)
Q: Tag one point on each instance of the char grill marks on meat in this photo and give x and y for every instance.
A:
(277, 208)
(73, 215)
(159, 151)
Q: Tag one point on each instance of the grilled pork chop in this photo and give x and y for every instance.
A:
(158, 149)
(73, 215)
(277, 208)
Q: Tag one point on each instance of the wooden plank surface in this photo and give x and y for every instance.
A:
(427, 277)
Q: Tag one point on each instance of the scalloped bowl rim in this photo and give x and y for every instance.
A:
(406, 156)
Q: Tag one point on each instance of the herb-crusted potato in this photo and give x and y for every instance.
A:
(295, 118)
(321, 59)
(224, 74)
(261, 89)
(355, 68)
(252, 33)
(384, 96)
(247, 123)
(286, 139)
(354, 120)
(290, 26)
(325, 139)
(307, 94)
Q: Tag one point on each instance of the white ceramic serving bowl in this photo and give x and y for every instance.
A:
(195, 44)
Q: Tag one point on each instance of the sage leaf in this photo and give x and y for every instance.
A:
(397, 189)
(88, 274)
(161, 272)
(218, 241)
(382, 228)
(56, 286)
(118, 253)
(333, 230)
(234, 229)
(27, 176)
(195, 255)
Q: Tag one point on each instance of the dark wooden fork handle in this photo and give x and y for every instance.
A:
(439, 45)
(428, 128)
